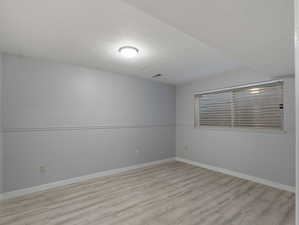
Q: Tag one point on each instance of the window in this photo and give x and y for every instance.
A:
(251, 106)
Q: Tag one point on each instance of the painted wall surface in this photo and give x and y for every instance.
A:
(1, 140)
(268, 155)
(297, 103)
(75, 121)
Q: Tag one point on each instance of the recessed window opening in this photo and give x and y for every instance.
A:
(250, 106)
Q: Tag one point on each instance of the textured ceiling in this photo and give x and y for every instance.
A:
(260, 33)
(183, 40)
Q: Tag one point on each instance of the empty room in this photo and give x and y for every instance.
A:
(142, 112)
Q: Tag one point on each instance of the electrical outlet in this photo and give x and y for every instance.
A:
(42, 169)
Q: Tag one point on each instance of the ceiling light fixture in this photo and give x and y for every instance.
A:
(128, 51)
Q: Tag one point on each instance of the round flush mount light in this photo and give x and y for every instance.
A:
(128, 51)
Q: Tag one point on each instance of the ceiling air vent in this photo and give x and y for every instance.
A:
(157, 75)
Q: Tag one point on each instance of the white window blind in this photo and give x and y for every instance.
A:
(256, 106)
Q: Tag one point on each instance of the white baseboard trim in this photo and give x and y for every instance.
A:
(239, 175)
(44, 187)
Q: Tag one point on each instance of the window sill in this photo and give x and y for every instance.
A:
(238, 129)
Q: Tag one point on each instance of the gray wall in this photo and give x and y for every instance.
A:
(1, 143)
(268, 155)
(297, 103)
(76, 121)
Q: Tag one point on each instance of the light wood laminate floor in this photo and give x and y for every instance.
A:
(167, 194)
